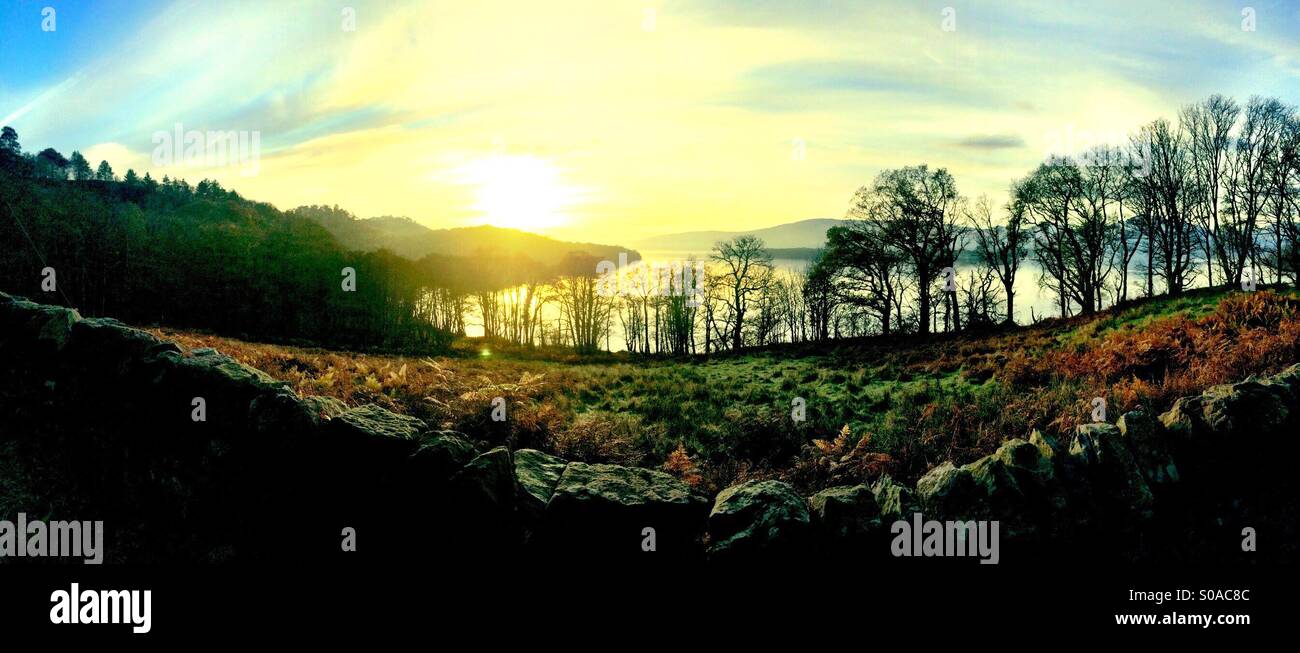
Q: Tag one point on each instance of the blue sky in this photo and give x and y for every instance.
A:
(623, 118)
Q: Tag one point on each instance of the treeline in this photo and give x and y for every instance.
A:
(1209, 198)
(150, 251)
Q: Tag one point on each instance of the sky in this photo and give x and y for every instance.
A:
(616, 120)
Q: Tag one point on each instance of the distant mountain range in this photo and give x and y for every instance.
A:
(410, 239)
(804, 234)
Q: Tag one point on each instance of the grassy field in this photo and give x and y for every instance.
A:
(876, 405)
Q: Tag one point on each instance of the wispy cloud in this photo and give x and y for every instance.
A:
(691, 123)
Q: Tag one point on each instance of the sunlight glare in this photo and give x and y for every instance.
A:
(519, 191)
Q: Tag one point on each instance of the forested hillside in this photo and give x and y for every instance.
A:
(413, 240)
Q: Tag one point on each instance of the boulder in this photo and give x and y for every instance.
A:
(487, 482)
(758, 518)
(107, 346)
(896, 501)
(371, 421)
(537, 474)
(441, 454)
(846, 512)
(1017, 486)
(1048, 446)
(1231, 414)
(1145, 438)
(1117, 483)
(284, 415)
(949, 492)
(1247, 409)
(227, 387)
(23, 323)
(370, 442)
(604, 510)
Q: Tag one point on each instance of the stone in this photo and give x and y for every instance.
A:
(846, 511)
(1145, 438)
(758, 518)
(537, 473)
(896, 501)
(1099, 450)
(441, 454)
(949, 492)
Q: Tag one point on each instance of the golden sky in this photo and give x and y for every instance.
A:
(613, 120)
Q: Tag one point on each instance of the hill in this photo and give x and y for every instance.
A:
(802, 234)
(412, 240)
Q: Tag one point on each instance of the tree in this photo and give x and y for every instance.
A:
(105, 172)
(80, 168)
(51, 165)
(913, 211)
(1208, 125)
(11, 152)
(1002, 247)
(1167, 192)
(1254, 149)
(746, 268)
(584, 308)
(819, 295)
(9, 141)
(868, 273)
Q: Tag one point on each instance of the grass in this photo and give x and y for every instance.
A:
(876, 405)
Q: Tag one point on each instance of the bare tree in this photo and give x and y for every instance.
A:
(1208, 125)
(745, 268)
(912, 210)
(1253, 151)
(1002, 247)
(1167, 190)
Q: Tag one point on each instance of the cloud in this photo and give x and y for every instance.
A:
(992, 142)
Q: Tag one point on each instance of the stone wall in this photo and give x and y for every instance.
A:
(96, 422)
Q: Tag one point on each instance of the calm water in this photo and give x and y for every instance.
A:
(1028, 294)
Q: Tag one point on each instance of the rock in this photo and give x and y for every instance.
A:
(1231, 414)
(1098, 449)
(369, 441)
(324, 408)
(948, 492)
(36, 329)
(1183, 420)
(1244, 410)
(537, 473)
(108, 347)
(766, 518)
(227, 386)
(896, 501)
(603, 510)
(377, 422)
(487, 482)
(1048, 446)
(1144, 437)
(442, 454)
(846, 511)
(1017, 486)
(1291, 378)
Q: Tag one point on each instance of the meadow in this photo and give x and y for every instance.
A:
(878, 405)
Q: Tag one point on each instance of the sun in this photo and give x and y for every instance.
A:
(519, 191)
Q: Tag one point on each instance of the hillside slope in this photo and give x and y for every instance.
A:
(412, 240)
(802, 234)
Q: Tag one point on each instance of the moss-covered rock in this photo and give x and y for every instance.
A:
(758, 518)
(848, 512)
